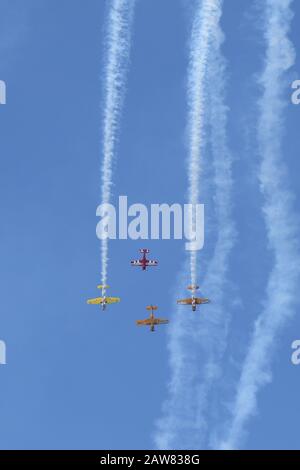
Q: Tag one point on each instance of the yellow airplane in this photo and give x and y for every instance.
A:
(193, 300)
(152, 321)
(103, 300)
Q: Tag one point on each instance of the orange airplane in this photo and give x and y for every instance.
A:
(193, 300)
(152, 321)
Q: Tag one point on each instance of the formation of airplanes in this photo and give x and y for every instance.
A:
(152, 320)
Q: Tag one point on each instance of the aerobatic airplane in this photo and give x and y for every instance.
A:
(152, 321)
(144, 262)
(103, 300)
(193, 300)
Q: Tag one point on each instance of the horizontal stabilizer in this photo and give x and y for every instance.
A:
(151, 307)
(193, 287)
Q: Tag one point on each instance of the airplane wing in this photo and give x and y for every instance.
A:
(161, 321)
(96, 301)
(112, 300)
(201, 301)
(150, 262)
(143, 322)
(136, 262)
(185, 301)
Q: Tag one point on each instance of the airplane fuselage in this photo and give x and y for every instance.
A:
(143, 262)
(152, 322)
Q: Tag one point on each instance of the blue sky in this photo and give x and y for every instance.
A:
(77, 377)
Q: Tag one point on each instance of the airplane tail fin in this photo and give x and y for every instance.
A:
(144, 250)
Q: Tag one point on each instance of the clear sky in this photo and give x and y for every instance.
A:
(77, 377)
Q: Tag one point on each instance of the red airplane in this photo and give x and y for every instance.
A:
(144, 262)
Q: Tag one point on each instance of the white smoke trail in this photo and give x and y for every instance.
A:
(118, 42)
(278, 212)
(196, 344)
(207, 13)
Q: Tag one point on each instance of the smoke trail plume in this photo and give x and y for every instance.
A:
(118, 39)
(196, 344)
(201, 36)
(282, 289)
